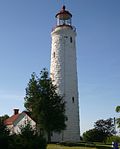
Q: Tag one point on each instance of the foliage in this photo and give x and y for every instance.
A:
(93, 135)
(106, 127)
(27, 139)
(102, 130)
(113, 139)
(4, 133)
(4, 117)
(4, 142)
(27, 131)
(46, 106)
(118, 119)
(3, 129)
(117, 109)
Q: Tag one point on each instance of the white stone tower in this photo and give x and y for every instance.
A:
(63, 71)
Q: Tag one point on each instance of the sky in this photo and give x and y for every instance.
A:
(25, 46)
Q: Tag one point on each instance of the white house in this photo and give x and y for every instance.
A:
(18, 120)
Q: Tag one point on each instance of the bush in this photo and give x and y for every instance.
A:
(27, 139)
(93, 135)
(4, 142)
(113, 139)
(20, 142)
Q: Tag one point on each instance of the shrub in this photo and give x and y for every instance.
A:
(113, 139)
(93, 135)
(4, 142)
(20, 142)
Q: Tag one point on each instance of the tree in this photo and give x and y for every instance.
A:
(102, 129)
(93, 135)
(106, 127)
(117, 109)
(4, 117)
(45, 105)
(118, 119)
(113, 139)
(4, 133)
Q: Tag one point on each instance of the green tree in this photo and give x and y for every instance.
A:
(4, 133)
(113, 139)
(45, 105)
(93, 135)
(117, 109)
(102, 130)
(106, 127)
(118, 119)
(4, 117)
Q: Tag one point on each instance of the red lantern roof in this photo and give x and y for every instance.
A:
(63, 14)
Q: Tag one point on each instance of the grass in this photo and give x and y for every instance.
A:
(54, 146)
(78, 146)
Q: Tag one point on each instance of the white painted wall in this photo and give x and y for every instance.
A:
(64, 73)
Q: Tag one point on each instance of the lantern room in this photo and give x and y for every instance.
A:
(63, 17)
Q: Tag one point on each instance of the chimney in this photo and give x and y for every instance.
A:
(16, 111)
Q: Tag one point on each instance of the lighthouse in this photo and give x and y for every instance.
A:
(63, 71)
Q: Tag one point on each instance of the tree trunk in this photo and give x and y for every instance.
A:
(49, 137)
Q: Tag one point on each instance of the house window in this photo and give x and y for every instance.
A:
(73, 99)
(71, 39)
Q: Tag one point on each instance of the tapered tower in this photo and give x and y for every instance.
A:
(63, 71)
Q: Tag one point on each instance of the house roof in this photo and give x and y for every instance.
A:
(11, 119)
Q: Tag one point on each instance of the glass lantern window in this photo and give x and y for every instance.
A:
(63, 21)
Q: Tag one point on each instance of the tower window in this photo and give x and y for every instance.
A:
(54, 54)
(73, 100)
(71, 39)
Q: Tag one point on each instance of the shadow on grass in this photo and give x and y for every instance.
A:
(84, 144)
(103, 147)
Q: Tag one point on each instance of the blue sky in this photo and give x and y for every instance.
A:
(25, 43)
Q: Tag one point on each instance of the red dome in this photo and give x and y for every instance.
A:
(63, 14)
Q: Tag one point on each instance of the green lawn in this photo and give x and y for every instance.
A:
(54, 146)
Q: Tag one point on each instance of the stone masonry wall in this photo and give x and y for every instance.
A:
(64, 73)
